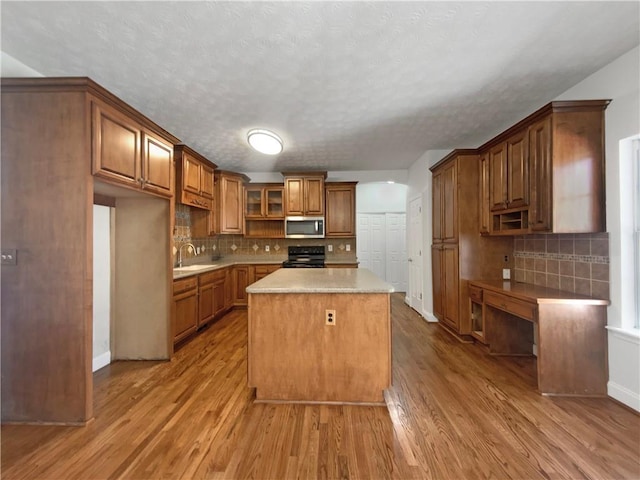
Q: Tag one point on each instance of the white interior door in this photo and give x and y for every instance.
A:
(363, 244)
(370, 238)
(415, 254)
(396, 250)
(377, 238)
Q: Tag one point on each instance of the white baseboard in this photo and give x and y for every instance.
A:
(429, 317)
(624, 395)
(101, 360)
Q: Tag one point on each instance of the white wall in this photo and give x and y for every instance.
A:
(101, 286)
(619, 81)
(381, 198)
(419, 185)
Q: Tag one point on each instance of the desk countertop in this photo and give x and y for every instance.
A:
(536, 294)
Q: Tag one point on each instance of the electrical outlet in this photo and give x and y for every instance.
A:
(266, 248)
(330, 317)
(9, 256)
(330, 248)
(506, 274)
(348, 247)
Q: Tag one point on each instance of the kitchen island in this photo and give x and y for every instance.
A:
(320, 335)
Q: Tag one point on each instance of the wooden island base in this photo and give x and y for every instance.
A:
(295, 355)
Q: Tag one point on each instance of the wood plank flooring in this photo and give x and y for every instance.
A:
(454, 412)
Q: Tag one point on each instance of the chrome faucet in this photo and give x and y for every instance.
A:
(180, 252)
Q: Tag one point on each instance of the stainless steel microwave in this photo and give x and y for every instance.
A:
(304, 227)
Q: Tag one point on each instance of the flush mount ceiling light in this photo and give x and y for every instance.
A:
(264, 141)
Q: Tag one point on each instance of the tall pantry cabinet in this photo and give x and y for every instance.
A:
(459, 253)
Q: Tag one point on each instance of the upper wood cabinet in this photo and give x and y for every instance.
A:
(444, 202)
(485, 195)
(264, 201)
(546, 173)
(304, 193)
(264, 210)
(341, 209)
(566, 148)
(509, 171)
(194, 178)
(126, 152)
(229, 187)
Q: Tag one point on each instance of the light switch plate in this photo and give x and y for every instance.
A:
(506, 274)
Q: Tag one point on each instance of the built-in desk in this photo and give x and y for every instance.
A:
(569, 330)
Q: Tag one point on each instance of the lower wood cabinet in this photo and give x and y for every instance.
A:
(201, 299)
(444, 262)
(341, 265)
(211, 295)
(261, 271)
(242, 278)
(184, 308)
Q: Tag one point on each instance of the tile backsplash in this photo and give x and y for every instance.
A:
(572, 262)
(226, 245)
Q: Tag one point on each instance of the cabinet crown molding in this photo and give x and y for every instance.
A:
(81, 84)
(549, 108)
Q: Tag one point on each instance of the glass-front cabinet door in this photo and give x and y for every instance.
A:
(274, 199)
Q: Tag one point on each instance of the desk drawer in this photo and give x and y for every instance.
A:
(475, 293)
(511, 305)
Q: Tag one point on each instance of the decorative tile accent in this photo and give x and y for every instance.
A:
(577, 263)
(255, 247)
(233, 247)
(276, 247)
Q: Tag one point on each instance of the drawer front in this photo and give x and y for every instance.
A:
(211, 277)
(511, 305)
(475, 293)
(184, 284)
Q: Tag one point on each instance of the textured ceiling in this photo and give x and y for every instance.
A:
(347, 85)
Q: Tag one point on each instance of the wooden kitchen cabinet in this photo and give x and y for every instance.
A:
(206, 309)
(566, 151)
(485, 195)
(228, 288)
(509, 171)
(446, 284)
(242, 278)
(340, 206)
(264, 201)
(261, 271)
(127, 153)
(184, 311)
(264, 210)
(546, 173)
(194, 178)
(67, 142)
(458, 253)
(229, 188)
(509, 184)
(304, 193)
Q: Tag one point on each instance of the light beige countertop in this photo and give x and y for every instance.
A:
(228, 261)
(321, 280)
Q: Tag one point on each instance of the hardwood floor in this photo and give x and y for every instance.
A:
(453, 412)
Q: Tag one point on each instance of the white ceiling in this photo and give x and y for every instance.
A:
(348, 85)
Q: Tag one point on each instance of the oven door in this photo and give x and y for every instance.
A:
(304, 227)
